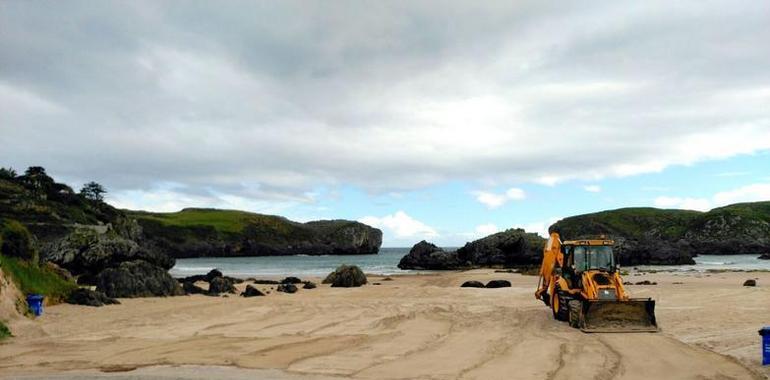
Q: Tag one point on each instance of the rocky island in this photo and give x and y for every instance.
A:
(643, 236)
(195, 232)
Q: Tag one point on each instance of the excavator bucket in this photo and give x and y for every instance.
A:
(634, 315)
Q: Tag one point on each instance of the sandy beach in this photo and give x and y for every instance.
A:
(419, 326)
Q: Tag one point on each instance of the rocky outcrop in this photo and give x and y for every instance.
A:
(766, 256)
(87, 252)
(507, 248)
(670, 237)
(88, 297)
(513, 247)
(427, 256)
(137, 279)
(346, 276)
(237, 233)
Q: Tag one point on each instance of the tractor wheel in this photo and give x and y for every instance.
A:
(575, 310)
(560, 305)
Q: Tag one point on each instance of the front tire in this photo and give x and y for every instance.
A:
(575, 311)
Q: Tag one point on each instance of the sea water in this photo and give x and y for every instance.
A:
(386, 262)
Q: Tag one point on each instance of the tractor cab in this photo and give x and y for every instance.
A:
(583, 256)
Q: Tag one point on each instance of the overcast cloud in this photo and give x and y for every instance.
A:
(268, 101)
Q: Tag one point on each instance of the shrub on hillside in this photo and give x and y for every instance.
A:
(16, 241)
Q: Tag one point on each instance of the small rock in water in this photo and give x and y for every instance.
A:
(498, 284)
(387, 279)
(376, 283)
(291, 280)
(287, 288)
(251, 291)
(750, 282)
(472, 284)
(309, 285)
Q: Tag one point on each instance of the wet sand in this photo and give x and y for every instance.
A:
(423, 327)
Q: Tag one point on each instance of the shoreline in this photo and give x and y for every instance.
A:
(414, 326)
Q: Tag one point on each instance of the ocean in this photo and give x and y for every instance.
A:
(386, 263)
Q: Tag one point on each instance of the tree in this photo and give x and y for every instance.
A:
(36, 179)
(93, 191)
(8, 173)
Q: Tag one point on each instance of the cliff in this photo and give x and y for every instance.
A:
(513, 247)
(658, 236)
(211, 232)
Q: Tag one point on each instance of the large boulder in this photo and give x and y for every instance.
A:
(424, 255)
(346, 276)
(88, 297)
(88, 252)
(507, 248)
(137, 278)
(765, 256)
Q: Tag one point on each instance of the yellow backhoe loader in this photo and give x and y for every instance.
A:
(580, 282)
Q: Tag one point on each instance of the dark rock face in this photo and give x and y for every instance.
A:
(498, 284)
(765, 256)
(219, 285)
(88, 297)
(262, 235)
(88, 252)
(346, 276)
(472, 284)
(647, 251)
(291, 280)
(655, 236)
(251, 291)
(137, 279)
(508, 248)
(309, 285)
(428, 256)
(750, 282)
(287, 288)
(191, 288)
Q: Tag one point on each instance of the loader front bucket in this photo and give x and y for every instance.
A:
(634, 315)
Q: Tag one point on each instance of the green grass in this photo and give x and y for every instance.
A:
(4, 331)
(227, 221)
(31, 278)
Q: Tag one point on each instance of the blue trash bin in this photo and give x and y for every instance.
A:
(35, 302)
(765, 332)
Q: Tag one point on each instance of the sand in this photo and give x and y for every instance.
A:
(423, 327)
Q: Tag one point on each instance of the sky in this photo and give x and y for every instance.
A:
(444, 121)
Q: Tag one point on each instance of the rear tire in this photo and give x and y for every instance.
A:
(560, 306)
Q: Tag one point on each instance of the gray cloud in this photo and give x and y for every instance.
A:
(269, 100)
